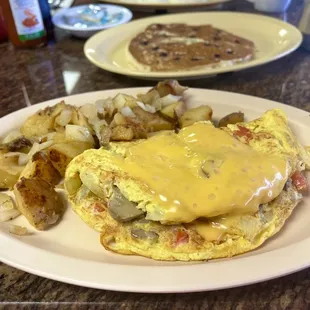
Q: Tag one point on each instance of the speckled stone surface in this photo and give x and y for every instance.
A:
(33, 76)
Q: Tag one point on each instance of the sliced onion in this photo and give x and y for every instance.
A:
(100, 106)
(12, 136)
(64, 117)
(18, 230)
(157, 105)
(23, 159)
(150, 108)
(127, 112)
(7, 209)
(78, 133)
(107, 105)
(12, 154)
(36, 147)
(141, 105)
(89, 111)
(104, 103)
(169, 99)
(97, 123)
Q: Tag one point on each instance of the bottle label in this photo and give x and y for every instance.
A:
(28, 19)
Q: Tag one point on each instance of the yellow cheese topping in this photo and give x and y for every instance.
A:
(215, 228)
(202, 172)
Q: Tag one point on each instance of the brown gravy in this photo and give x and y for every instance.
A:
(169, 47)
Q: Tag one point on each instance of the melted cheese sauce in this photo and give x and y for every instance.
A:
(215, 228)
(202, 172)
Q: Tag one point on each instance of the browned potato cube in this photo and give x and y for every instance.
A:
(37, 125)
(167, 87)
(173, 111)
(122, 100)
(233, 118)
(122, 133)
(79, 119)
(9, 171)
(149, 97)
(62, 153)
(42, 122)
(38, 202)
(201, 113)
(152, 121)
(41, 167)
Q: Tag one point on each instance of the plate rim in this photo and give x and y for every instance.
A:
(189, 73)
(56, 18)
(166, 5)
(48, 260)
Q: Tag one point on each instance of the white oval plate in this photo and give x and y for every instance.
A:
(58, 19)
(272, 37)
(71, 251)
(166, 4)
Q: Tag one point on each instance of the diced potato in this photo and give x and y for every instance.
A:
(42, 122)
(41, 167)
(233, 118)
(139, 129)
(7, 208)
(64, 118)
(78, 118)
(152, 121)
(149, 98)
(59, 137)
(118, 119)
(62, 153)
(201, 113)
(173, 111)
(122, 100)
(122, 133)
(79, 134)
(38, 202)
(167, 87)
(9, 171)
(37, 125)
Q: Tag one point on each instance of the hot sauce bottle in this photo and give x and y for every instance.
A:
(24, 22)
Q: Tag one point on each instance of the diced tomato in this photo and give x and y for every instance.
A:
(300, 182)
(243, 132)
(181, 237)
(98, 207)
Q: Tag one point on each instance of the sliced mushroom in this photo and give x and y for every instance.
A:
(16, 145)
(121, 209)
(144, 235)
(233, 118)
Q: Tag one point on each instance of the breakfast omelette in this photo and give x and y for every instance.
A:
(199, 194)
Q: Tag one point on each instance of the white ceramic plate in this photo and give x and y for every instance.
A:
(272, 37)
(71, 251)
(166, 4)
(112, 10)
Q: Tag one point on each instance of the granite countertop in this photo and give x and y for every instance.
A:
(33, 76)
